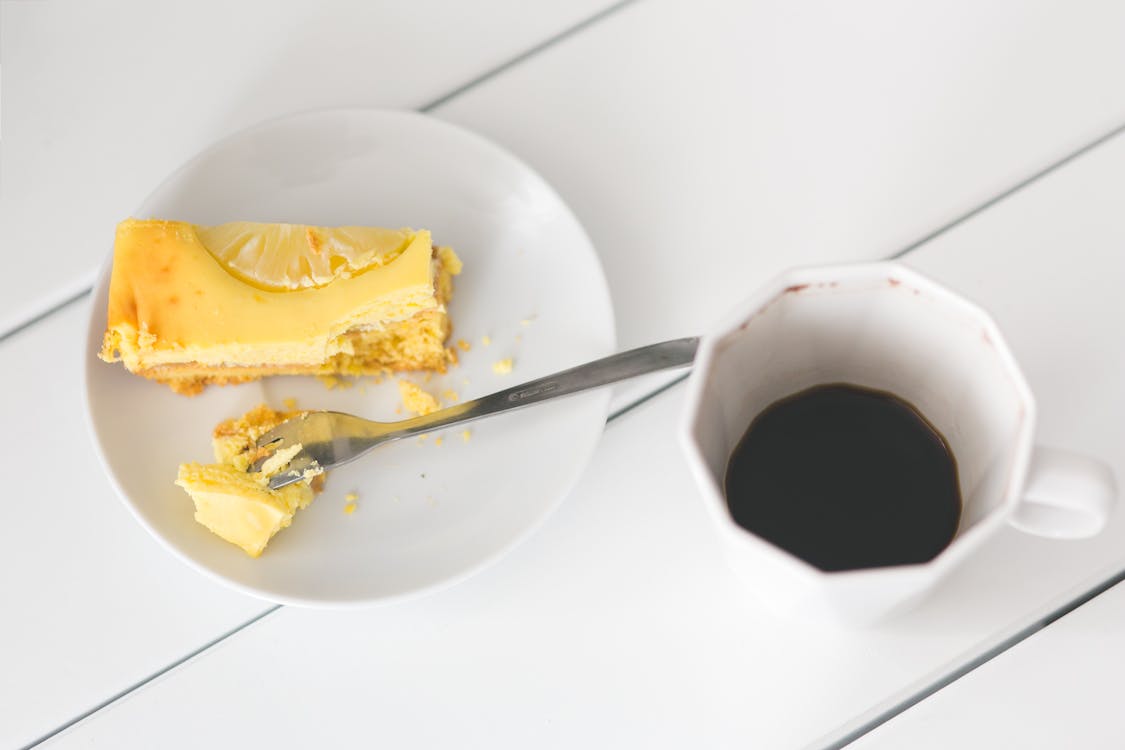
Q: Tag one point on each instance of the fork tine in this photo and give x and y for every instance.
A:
(256, 465)
(284, 432)
(281, 436)
(300, 464)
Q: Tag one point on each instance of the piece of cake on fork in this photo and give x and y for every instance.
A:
(237, 504)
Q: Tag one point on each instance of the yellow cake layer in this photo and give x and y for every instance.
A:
(178, 315)
(236, 505)
(414, 344)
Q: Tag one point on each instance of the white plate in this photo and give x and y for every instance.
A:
(427, 514)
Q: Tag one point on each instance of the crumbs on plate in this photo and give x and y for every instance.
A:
(332, 382)
(416, 400)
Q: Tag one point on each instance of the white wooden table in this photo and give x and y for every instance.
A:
(1061, 687)
(704, 146)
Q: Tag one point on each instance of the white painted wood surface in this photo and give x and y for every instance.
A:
(619, 624)
(1060, 688)
(722, 142)
(704, 146)
(103, 100)
(92, 604)
(708, 145)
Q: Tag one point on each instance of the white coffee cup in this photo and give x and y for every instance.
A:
(885, 327)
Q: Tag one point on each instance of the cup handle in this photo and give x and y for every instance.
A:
(1066, 496)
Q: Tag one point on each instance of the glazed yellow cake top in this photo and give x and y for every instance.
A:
(172, 301)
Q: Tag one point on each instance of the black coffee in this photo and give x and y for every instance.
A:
(845, 477)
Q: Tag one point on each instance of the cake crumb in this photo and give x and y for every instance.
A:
(450, 395)
(416, 400)
(449, 259)
(349, 508)
(528, 320)
(438, 440)
(290, 404)
(466, 435)
(427, 377)
(464, 345)
(503, 366)
(422, 437)
(351, 497)
(331, 382)
(486, 340)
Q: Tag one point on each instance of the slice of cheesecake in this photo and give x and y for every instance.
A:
(239, 506)
(191, 305)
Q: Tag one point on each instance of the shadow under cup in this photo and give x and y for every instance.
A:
(887, 332)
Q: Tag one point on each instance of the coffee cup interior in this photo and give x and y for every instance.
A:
(886, 333)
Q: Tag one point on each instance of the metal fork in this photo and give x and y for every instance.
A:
(330, 438)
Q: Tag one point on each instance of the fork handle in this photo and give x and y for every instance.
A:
(611, 369)
(363, 435)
